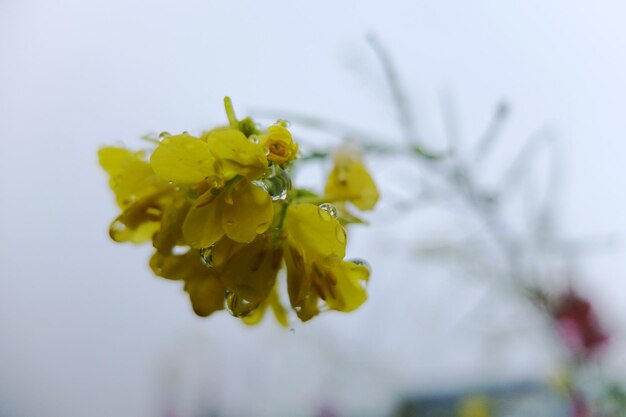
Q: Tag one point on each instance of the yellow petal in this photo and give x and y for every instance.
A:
(302, 296)
(320, 236)
(203, 225)
(251, 272)
(130, 176)
(139, 221)
(309, 307)
(348, 293)
(349, 180)
(206, 295)
(248, 213)
(186, 266)
(273, 302)
(143, 232)
(298, 283)
(223, 250)
(112, 159)
(205, 290)
(171, 234)
(183, 159)
(279, 311)
(235, 154)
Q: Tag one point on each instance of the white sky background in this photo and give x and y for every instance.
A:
(84, 327)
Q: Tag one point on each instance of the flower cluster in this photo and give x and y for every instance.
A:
(224, 218)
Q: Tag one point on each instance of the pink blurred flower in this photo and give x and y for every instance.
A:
(578, 326)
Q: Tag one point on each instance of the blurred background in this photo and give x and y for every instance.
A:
(87, 330)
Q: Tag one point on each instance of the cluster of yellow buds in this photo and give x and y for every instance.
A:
(223, 217)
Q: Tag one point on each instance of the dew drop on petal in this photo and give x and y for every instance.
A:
(361, 262)
(117, 230)
(206, 254)
(230, 223)
(277, 183)
(238, 306)
(341, 234)
(324, 214)
(329, 209)
(164, 134)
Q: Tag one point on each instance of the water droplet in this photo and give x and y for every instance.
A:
(324, 214)
(206, 254)
(239, 307)
(361, 262)
(230, 223)
(261, 228)
(163, 135)
(276, 183)
(328, 209)
(341, 234)
(292, 330)
(117, 230)
(179, 250)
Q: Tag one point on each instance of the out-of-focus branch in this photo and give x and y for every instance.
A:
(403, 110)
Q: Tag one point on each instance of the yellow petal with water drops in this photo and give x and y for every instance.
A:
(349, 286)
(142, 232)
(350, 181)
(140, 221)
(171, 234)
(251, 272)
(273, 302)
(235, 154)
(248, 213)
(320, 236)
(186, 266)
(203, 225)
(309, 307)
(255, 316)
(203, 285)
(183, 159)
(206, 294)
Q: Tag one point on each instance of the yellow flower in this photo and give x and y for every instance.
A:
(226, 199)
(219, 165)
(279, 145)
(314, 247)
(349, 180)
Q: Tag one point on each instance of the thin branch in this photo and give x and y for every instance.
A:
(493, 132)
(405, 117)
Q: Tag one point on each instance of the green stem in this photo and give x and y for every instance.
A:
(230, 113)
(281, 220)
